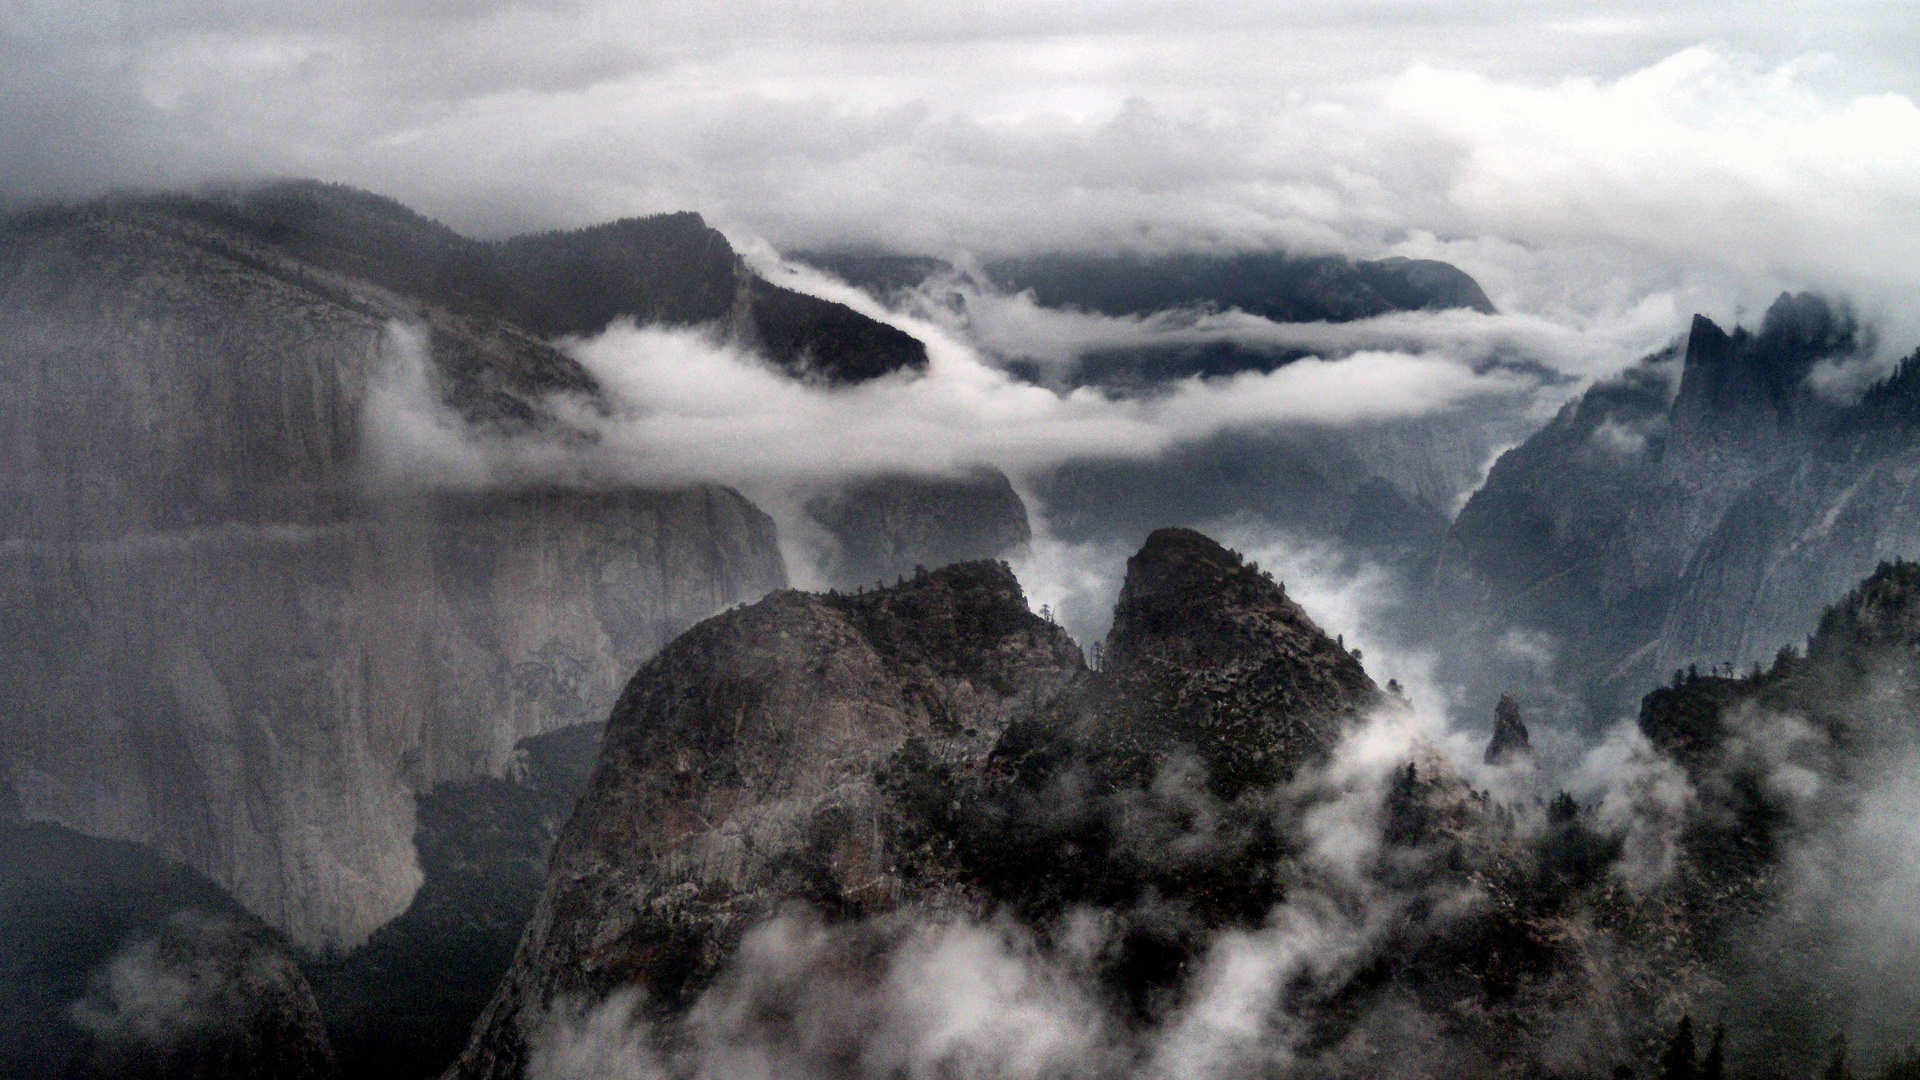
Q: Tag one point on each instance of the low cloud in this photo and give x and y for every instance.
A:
(680, 406)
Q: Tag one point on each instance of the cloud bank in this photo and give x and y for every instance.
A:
(1573, 159)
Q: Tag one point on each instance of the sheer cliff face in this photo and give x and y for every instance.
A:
(219, 637)
(1649, 528)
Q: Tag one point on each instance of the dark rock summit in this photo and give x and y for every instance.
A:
(1509, 733)
(738, 775)
(895, 751)
(1213, 648)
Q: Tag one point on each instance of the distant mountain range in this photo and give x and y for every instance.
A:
(1272, 285)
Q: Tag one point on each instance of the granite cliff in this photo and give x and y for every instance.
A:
(229, 631)
(1700, 509)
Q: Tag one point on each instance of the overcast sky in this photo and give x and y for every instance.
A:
(1576, 158)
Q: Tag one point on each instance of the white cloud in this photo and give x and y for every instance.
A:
(685, 408)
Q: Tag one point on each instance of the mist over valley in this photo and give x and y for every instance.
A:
(584, 541)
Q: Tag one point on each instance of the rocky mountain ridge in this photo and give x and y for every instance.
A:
(1701, 516)
(670, 269)
(795, 793)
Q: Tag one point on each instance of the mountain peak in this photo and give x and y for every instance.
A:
(1209, 653)
(1189, 599)
(1509, 733)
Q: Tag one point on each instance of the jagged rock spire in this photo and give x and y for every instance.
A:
(1509, 733)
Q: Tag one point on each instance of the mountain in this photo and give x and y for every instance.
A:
(1272, 285)
(738, 772)
(883, 528)
(1692, 513)
(670, 269)
(116, 962)
(1798, 839)
(800, 802)
(230, 629)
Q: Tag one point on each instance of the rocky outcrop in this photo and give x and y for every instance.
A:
(1510, 740)
(884, 528)
(738, 775)
(232, 628)
(891, 752)
(1214, 649)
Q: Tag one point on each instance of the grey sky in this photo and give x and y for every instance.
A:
(1579, 158)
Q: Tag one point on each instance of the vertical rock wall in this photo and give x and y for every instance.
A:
(218, 639)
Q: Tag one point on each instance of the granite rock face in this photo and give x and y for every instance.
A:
(886, 754)
(1702, 516)
(738, 775)
(887, 527)
(229, 630)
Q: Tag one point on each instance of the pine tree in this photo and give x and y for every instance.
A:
(1903, 1067)
(1714, 1067)
(1681, 1060)
(1838, 1067)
